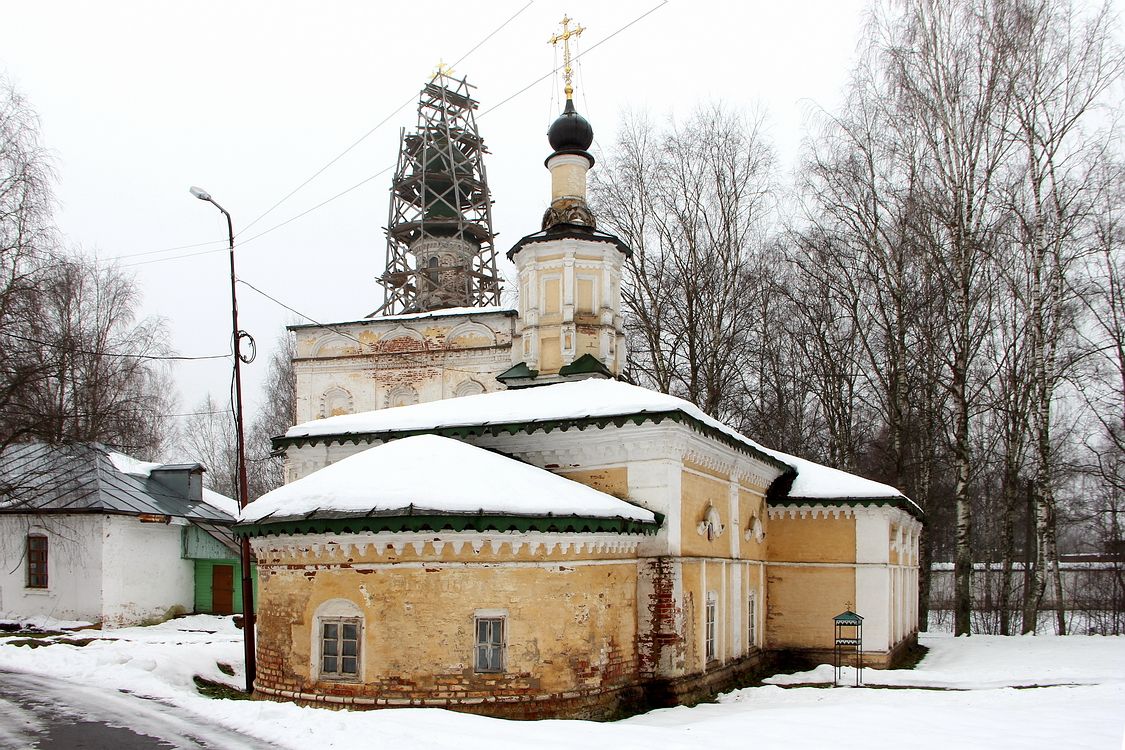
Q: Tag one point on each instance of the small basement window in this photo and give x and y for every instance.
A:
(36, 561)
(489, 651)
(339, 649)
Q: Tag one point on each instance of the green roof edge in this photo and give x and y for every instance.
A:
(481, 522)
(547, 425)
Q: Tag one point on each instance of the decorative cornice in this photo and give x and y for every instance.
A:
(818, 510)
(896, 503)
(326, 546)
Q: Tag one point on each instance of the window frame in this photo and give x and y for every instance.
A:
(38, 562)
(498, 647)
(751, 621)
(339, 675)
(711, 628)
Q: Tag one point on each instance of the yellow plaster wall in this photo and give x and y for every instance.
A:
(612, 481)
(802, 603)
(698, 493)
(568, 627)
(811, 539)
(585, 288)
(550, 356)
(552, 296)
(751, 504)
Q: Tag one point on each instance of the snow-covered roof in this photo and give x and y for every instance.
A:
(85, 478)
(819, 482)
(447, 312)
(429, 474)
(583, 399)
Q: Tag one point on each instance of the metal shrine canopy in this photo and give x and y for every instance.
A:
(848, 641)
(440, 243)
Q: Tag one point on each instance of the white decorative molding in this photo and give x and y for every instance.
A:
(811, 511)
(711, 526)
(754, 530)
(335, 549)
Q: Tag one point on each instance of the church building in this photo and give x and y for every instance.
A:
(482, 514)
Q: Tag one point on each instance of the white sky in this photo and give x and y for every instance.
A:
(139, 100)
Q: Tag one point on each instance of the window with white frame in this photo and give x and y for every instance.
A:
(710, 625)
(489, 647)
(751, 622)
(339, 648)
(36, 561)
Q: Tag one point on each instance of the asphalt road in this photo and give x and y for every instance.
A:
(45, 714)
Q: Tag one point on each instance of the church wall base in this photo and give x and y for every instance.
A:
(800, 659)
(603, 705)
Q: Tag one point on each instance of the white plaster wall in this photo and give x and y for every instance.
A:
(143, 575)
(74, 589)
(873, 577)
(326, 360)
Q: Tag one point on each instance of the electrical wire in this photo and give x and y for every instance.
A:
(378, 125)
(161, 357)
(386, 169)
(552, 72)
(402, 355)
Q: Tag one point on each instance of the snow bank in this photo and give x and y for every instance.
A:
(428, 473)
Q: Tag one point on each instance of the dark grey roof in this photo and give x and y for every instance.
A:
(81, 478)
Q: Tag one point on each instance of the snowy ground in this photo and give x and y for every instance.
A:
(980, 692)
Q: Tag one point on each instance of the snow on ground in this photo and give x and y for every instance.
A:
(960, 695)
(41, 622)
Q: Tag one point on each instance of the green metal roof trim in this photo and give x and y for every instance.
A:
(848, 617)
(517, 371)
(901, 502)
(547, 425)
(481, 522)
(585, 364)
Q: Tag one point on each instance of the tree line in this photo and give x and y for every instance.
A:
(934, 301)
(78, 363)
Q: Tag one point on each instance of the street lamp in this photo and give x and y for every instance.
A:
(243, 490)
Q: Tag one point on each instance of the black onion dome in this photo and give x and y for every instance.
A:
(571, 131)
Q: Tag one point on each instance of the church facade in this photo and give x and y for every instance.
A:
(622, 550)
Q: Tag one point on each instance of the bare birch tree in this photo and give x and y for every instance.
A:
(695, 202)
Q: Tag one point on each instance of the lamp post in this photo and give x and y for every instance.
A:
(243, 490)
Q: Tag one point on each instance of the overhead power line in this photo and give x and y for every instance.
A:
(344, 334)
(121, 355)
(386, 169)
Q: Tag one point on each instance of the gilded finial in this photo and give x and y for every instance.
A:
(564, 37)
(441, 70)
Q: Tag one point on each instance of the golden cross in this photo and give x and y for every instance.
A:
(441, 70)
(564, 37)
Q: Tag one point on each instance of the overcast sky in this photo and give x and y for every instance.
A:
(140, 100)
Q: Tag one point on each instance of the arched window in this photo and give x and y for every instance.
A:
(401, 395)
(468, 387)
(338, 641)
(334, 401)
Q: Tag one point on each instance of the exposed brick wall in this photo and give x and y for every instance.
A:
(513, 696)
(662, 609)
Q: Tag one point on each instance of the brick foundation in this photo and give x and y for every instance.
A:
(513, 696)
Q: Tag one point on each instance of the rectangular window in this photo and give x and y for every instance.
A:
(490, 644)
(750, 622)
(339, 649)
(709, 645)
(36, 561)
